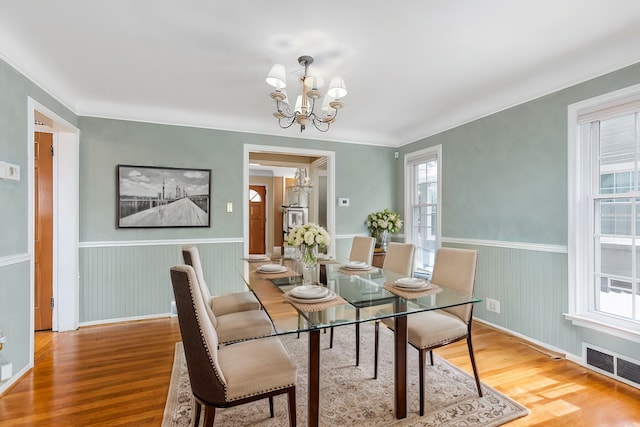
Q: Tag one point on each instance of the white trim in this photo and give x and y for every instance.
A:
(409, 159)
(537, 247)
(533, 341)
(15, 378)
(123, 243)
(331, 184)
(580, 158)
(14, 259)
(604, 327)
(126, 319)
(66, 217)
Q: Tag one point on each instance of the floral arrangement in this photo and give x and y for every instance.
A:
(383, 221)
(308, 234)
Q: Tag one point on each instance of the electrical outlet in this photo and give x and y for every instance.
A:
(493, 305)
(6, 371)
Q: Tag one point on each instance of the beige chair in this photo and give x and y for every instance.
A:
(399, 258)
(362, 249)
(454, 269)
(222, 304)
(232, 375)
(232, 326)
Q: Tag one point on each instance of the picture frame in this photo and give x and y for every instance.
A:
(162, 197)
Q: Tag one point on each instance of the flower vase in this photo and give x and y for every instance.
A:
(382, 238)
(309, 261)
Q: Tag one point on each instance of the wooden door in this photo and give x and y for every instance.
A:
(43, 230)
(257, 218)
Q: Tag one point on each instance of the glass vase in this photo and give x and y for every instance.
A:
(309, 262)
(382, 239)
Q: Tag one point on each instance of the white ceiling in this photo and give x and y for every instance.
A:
(413, 68)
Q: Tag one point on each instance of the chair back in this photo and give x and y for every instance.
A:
(399, 258)
(199, 337)
(362, 249)
(191, 257)
(456, 269)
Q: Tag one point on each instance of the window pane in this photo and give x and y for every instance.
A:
(615, 216)
(615, 298)
(424, 213)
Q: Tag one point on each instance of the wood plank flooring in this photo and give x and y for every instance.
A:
(118, 375)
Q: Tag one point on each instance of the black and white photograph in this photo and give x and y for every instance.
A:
(151, 197)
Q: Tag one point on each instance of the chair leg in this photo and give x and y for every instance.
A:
(431, 357)
(196, 417)
(421, 354)
(209, 415)
(376, 348)
(271, 413)
(291, 394)
(331, 338)
(473, 364)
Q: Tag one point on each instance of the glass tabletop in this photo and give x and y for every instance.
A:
(360, 296)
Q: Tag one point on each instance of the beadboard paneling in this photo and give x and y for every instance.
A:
(531, 287)
(120, 282)
(15, 319)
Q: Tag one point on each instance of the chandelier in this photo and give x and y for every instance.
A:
(305, 111)
(302, 183)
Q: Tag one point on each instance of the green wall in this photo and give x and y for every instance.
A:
(15, 291)
(505, 193)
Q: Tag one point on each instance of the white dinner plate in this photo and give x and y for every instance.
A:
(330, 295)
(410, 282)
(272, 268)
(255, 257)
(309, 292)
(356, 265)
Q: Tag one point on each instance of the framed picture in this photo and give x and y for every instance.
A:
(152, 197)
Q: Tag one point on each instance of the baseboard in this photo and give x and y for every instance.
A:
(544, 348)
(126, 319)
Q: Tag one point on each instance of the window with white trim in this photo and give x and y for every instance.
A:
(422, 206)
(605, 200)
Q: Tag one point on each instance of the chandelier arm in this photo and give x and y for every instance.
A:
(290, 120)
(286, 113)
(317, 123)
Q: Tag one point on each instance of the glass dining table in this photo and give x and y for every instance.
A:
(353, 296)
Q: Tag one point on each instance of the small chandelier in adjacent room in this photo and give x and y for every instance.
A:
(306, 110)
(302, 183)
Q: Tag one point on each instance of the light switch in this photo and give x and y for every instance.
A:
(229, 207)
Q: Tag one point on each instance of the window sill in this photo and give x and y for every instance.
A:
(604, 327)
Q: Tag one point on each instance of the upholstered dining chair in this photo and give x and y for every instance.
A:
(454, 269)
(231, 375)
(235, 326)
(362, 249)
(399, 258)
(220, 304)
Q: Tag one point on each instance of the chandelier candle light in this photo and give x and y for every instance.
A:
(304, 112)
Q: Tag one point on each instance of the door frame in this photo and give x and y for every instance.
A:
(66, 161)
(331, 189)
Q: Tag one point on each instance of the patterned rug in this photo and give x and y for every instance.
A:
(349, 396)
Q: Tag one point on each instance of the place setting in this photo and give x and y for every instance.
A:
(356, 267)
(272, 269)
(411, 287)
(312, 297)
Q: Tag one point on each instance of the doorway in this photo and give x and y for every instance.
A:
(65, 215)
(257, 219)
(43, 230)
(322, 168)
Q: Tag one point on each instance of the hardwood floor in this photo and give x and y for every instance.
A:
(118, 375)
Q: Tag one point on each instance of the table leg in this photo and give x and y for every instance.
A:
(400, 365)
(314, 379)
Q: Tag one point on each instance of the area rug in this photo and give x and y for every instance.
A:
(349, 396)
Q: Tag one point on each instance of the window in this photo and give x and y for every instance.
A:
(605, 254)
(422, 209)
